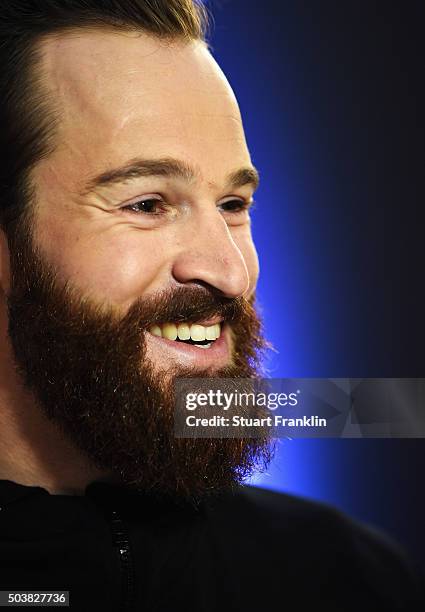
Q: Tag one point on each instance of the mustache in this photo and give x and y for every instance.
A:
(189, 305)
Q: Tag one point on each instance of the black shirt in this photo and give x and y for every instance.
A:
(252, 550)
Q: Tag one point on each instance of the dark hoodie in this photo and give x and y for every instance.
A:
(252, 550)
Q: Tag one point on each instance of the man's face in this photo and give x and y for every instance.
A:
(140, 230)
(124, 99)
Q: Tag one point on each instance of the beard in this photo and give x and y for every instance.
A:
(85, 365)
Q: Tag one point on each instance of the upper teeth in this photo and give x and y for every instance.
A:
(186, 331)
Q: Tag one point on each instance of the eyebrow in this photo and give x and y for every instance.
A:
(169, 168)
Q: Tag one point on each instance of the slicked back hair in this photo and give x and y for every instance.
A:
(28, 118)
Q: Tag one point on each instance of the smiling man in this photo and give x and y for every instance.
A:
(126, 261)
(131, 261)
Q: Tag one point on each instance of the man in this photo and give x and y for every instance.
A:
(127, 261)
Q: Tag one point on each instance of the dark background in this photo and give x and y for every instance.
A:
(332, 99)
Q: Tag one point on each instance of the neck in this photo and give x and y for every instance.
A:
(34, 452)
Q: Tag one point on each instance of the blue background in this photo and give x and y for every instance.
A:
(331, 97)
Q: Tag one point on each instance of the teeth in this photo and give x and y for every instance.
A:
(169, 331)
(210, 333)
(184, 331)
(156, 330)
(197, 332)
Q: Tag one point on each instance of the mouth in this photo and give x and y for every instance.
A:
(201, 335)
(204, 343)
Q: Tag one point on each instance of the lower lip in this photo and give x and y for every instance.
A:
(217, 354)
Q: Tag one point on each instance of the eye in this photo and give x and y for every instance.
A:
(148, 206)
(236, 206)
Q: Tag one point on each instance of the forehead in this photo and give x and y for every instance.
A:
(125, 94)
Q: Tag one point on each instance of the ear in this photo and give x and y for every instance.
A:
(4, 264)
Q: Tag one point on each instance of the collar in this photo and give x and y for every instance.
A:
(104, 495)
(12, 491)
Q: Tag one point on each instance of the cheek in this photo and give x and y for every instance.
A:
(123, 269)
(117, 264)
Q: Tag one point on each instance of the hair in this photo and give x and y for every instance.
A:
(28, 118)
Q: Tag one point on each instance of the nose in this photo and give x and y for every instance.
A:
(211, 256)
